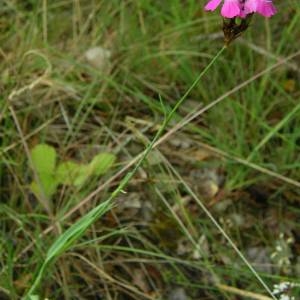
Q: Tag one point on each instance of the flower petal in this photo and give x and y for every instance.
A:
(231, 9)
(266, 8)
(212, 5)
(250, 6)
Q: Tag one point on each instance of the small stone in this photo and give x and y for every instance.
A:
(178, 294)
(98, 57)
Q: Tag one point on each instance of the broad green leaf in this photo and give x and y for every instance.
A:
(67, 172)
(71, 173)
(101, 163)
(84, 172)
(46, 187)
(43, 158)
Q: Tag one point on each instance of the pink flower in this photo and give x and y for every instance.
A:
(265, 8)
(242, 8)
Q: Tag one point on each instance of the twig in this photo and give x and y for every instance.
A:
(242, 293)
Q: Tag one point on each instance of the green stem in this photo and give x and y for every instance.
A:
(180, 101)
(128, 176)
(166, 122)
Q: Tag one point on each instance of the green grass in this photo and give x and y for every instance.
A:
(50, 94)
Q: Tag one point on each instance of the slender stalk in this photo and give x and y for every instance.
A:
(167, 120)
(73, 233)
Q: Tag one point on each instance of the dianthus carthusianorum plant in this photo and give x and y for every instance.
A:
(236, 15)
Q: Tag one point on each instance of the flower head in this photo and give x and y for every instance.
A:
(242, 8)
